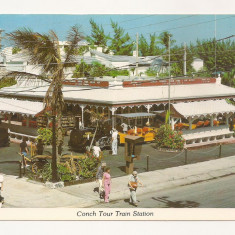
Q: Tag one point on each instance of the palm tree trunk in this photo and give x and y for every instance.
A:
(54, 152)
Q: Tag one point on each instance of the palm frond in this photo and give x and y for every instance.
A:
(40, 48)
(74, 36)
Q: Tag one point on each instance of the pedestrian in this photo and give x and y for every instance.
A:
(124, 127)
(1, 188)
(114, 141)
(99, 179)
(24, 150)
(96, 150)
(106, 184)
(133, 185)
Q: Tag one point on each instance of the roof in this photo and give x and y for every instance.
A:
(203, 108)
(12, 106)
(135, 115)
(127, 95)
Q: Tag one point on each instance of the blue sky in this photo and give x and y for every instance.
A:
(185, 28)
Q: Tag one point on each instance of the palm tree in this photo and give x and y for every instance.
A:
(44, 50)
(164, 39)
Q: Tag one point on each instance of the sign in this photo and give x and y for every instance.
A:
(186, 81)
(87, 83)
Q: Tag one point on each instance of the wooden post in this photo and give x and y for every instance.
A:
(186, 156)
(20, 175)
(220, 150)
(147, 162)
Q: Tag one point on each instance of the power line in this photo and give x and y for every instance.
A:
(166, 21)
(185, 26)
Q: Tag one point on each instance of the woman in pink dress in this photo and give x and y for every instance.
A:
(107, 183)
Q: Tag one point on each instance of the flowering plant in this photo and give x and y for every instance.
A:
(168, 138)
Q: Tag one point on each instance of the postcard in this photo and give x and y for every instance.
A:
(116, 115)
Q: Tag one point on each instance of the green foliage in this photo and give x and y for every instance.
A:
(225, 58)
(115, 73)
(164, 39)
(121, 43)
(151, 48)
(151, 72)
(88, 168)
(45, 135)
(77, 51)
(6, 82)
(15, 50)
(98, 37)
(97, 69)
(229, 78)
(167, 118)
(167, 138)
(81, 70)
(65, 173)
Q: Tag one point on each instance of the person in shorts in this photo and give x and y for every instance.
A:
(24, 151)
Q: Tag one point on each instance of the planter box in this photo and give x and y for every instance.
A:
(74, 182)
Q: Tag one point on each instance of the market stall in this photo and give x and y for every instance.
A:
(147, 132)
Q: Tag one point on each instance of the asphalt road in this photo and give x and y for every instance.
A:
(218, 193)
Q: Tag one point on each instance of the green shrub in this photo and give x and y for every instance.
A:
(167, 138)
(45, 135)
(88, 168)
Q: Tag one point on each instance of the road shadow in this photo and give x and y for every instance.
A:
(176, 204)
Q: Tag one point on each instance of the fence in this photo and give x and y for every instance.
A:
(156, 160)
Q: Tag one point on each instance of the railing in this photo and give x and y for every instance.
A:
(21, 136)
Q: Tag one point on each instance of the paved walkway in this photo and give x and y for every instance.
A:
(21, 193)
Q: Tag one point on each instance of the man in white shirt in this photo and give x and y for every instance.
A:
(124, 127)
(114, 141)
(96, 150)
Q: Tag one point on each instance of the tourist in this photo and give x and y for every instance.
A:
(1, 188)
(99, 178)
(96, 150)
(133, 185)
(106, 184)
(114, 141)
(24, 150)
(124, 127)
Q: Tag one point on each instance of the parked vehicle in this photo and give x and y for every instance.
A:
(80, 138)
(4, 137)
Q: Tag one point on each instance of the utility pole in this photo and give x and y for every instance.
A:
(185, 54)
(137, 53)
(169, 80)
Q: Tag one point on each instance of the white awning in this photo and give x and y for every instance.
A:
(13, 106)
(203, 108)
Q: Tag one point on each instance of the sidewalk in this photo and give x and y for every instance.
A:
(20, 193)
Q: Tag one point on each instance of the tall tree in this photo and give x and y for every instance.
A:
(143, 46)
(121, 43)
(221, 51)
(98, 36)
(149, 48)
(164, 39)
(44, 50)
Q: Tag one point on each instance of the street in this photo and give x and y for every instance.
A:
(218, 193)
